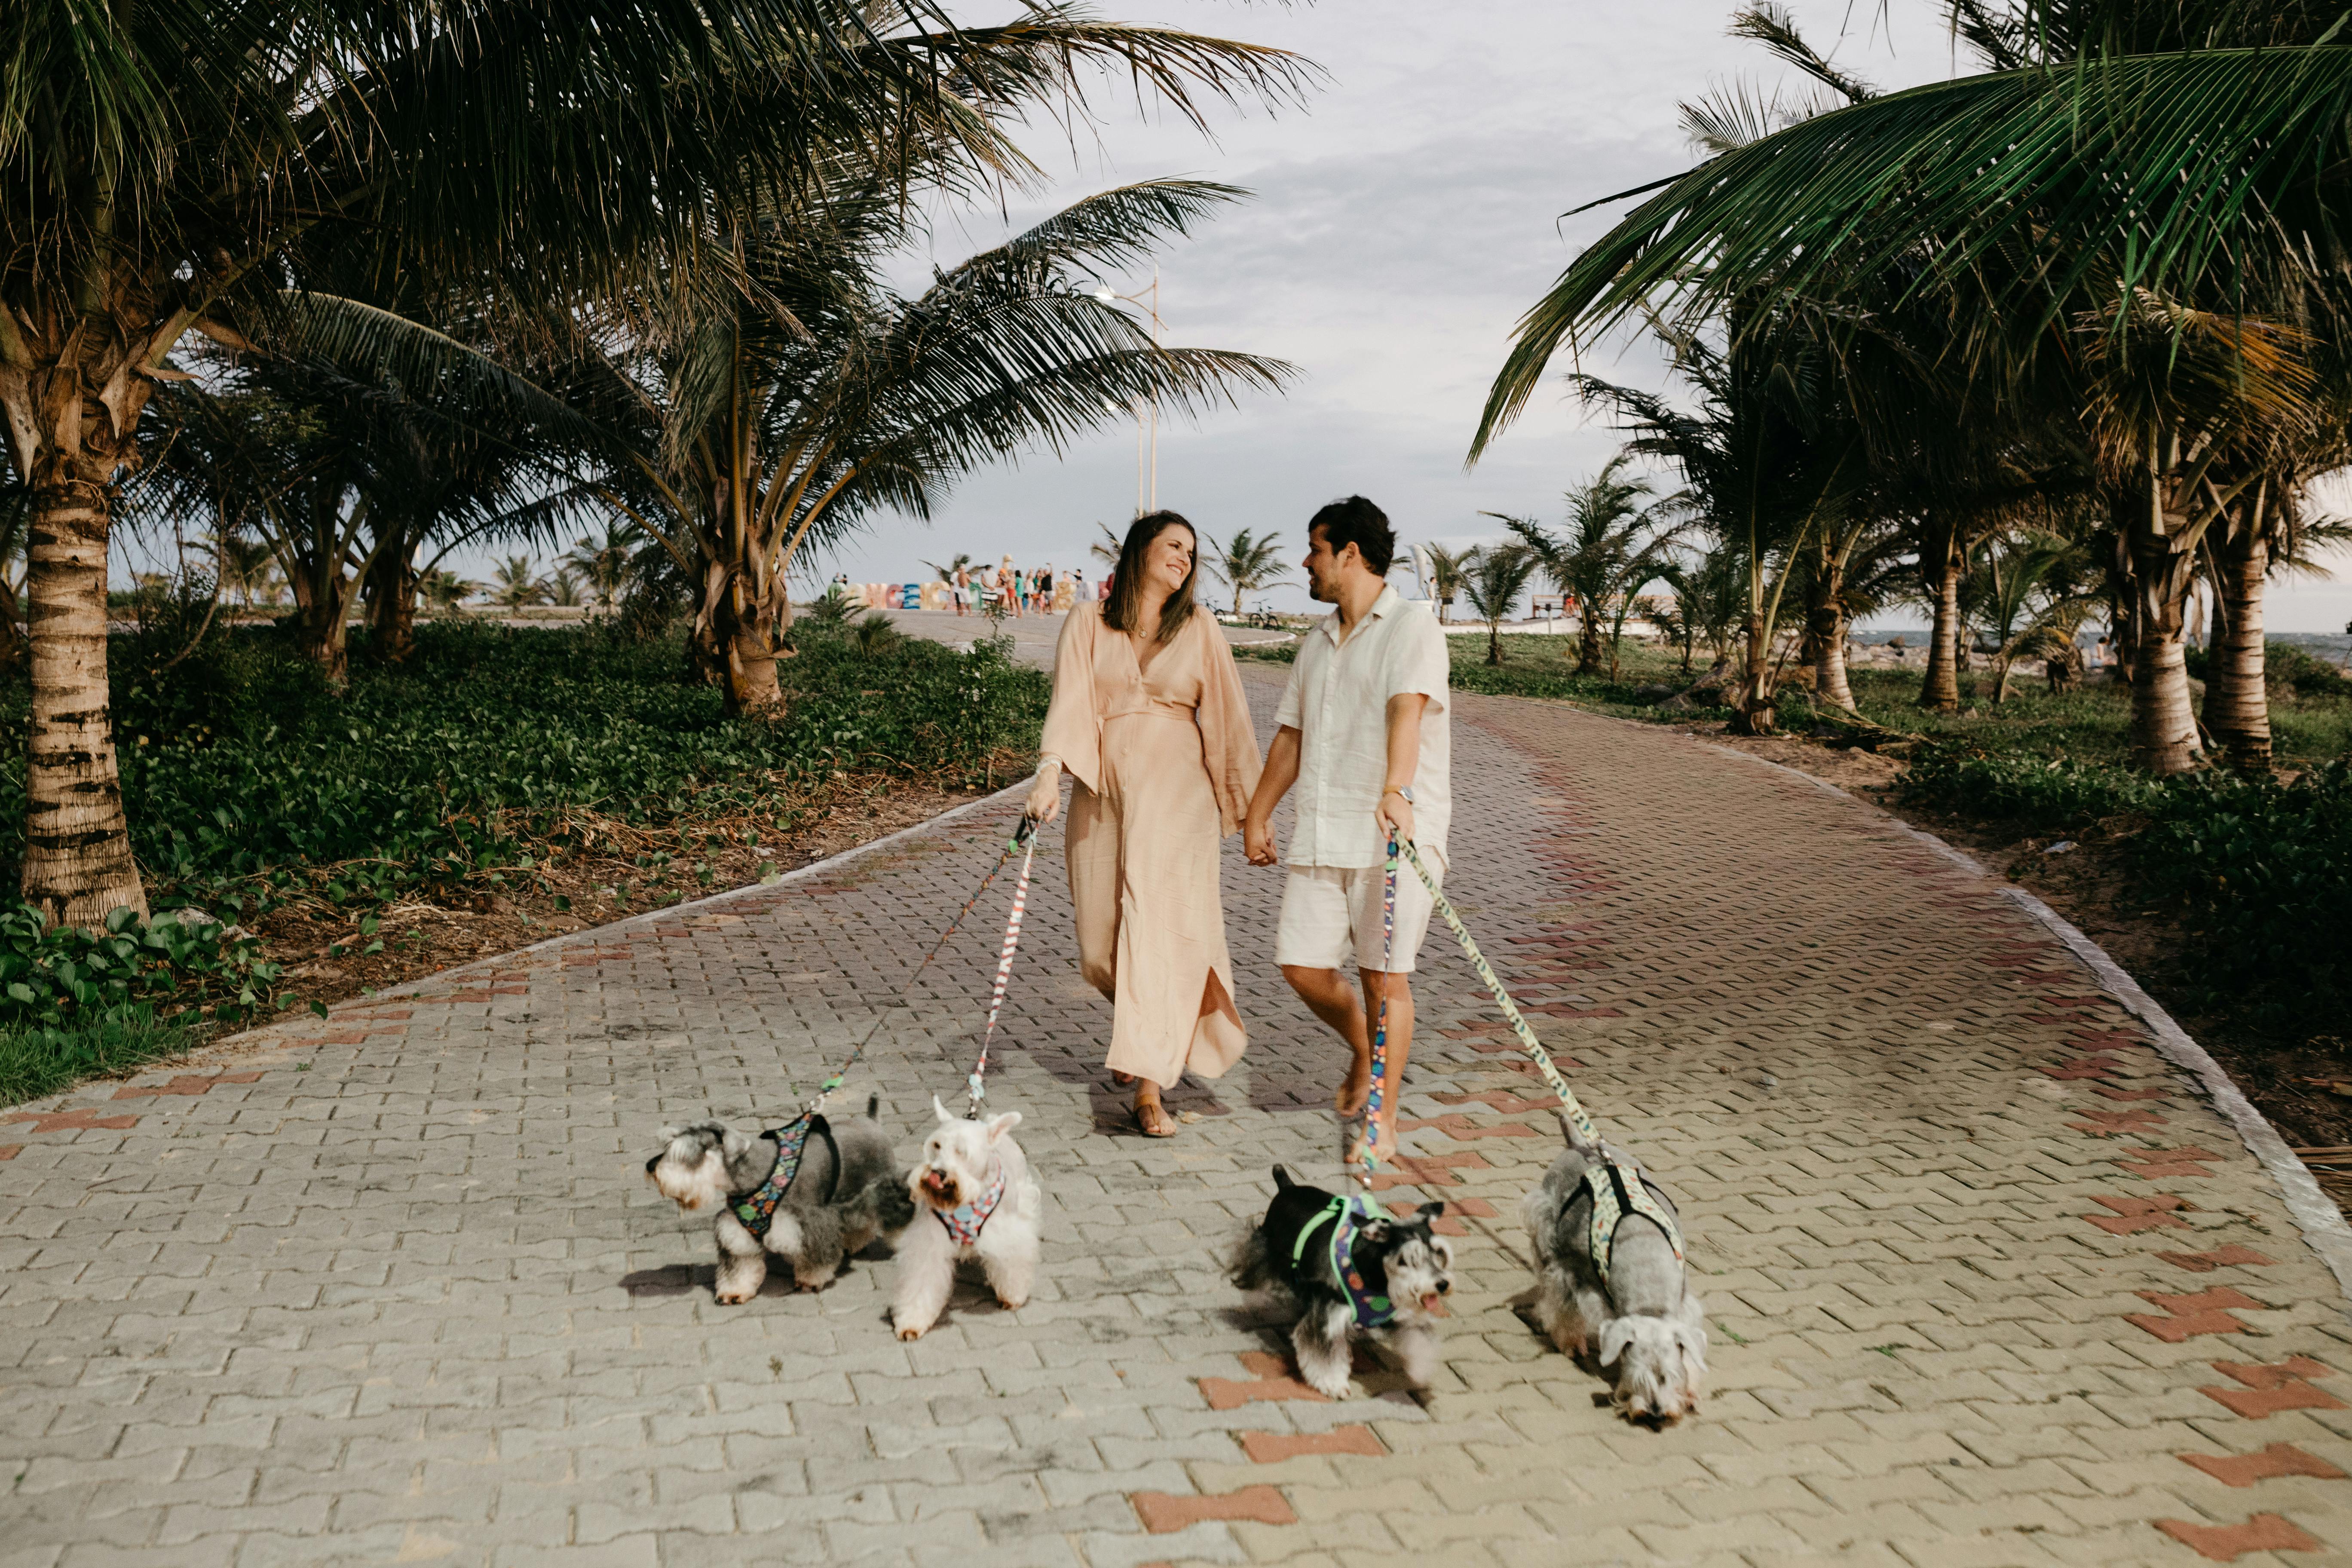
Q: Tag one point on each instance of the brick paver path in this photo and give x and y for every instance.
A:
(1991, 1283)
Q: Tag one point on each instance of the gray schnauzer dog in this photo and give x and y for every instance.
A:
(1632, 1307)
(810, 1192)
(1347, 1272)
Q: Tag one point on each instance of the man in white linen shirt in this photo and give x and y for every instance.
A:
(1365, 736)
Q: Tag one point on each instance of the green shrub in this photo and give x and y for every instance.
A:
(2262, 872)
(51, 976)
(240, 767)
(2051, 794)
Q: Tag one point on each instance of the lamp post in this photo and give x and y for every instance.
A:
(1147, 413)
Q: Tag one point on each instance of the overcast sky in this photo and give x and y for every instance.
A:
(1402, 221)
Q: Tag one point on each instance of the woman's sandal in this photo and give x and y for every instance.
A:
(1144, 1121)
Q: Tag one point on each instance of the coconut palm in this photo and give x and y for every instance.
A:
(446, 592)
(1447, 571)
(169, 172)
(514, 585)
(1246, 563)
(947, 573)
(1497, 575)
(1614, 545)
(602, 565)
(736, 439)
(2141, 193)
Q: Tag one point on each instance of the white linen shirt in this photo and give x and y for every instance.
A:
(1338, 701)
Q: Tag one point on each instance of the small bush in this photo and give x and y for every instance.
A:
(2052, 794)
(57, 976)
(2262, 872)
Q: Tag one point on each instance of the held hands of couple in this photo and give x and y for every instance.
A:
(1043, 801)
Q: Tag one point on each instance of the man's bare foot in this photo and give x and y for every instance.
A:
(1124, 1080)
(1354, 1092)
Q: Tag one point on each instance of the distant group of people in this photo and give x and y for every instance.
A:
(1042, 592)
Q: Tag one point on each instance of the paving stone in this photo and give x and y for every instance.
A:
(417, 1301)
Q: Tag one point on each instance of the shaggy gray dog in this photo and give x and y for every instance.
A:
(847, 1192)
(1643, 1320)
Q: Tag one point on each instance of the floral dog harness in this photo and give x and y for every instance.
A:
(756, 1208)
(1618, 1191)
(1346, 1215)
(963, 1224)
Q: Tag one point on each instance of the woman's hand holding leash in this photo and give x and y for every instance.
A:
(1043, 802)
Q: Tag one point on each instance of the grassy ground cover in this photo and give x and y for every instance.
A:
(501, 780)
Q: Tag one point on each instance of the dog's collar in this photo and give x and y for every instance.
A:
(756, 1208)
(1618, 1191)
(963, 1224)
(1346, 1215)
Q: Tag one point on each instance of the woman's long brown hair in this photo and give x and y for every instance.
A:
(1119, 611)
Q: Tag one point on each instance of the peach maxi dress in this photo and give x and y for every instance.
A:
(1164, 761)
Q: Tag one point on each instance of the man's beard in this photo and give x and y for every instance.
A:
(1315, 591)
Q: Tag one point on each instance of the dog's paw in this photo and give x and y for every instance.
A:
(1329, 1388)
(735, 1299)
(910, 1333)
(1013, 1306)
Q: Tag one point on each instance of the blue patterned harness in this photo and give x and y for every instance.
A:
(964, 1222)
(756, 1208)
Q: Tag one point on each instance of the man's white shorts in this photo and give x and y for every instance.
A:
(1331, 913)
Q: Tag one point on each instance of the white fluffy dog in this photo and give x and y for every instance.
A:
(1638, 1314)
(974, 1198)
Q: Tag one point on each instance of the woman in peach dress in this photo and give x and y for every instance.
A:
(1149, 718)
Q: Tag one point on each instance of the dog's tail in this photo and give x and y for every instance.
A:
(1250, 1265)
(873, 1104)
(894, 1205)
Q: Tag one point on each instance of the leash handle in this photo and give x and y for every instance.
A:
(976, 1087)
(1369, 1151)
(1528, 1041)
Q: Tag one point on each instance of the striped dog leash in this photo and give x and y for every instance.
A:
(1368, 1151)
(976, 1087)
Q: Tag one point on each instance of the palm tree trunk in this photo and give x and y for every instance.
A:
(391, 602)
(1940, 691)
(735, 642)
(80, 417)
(1826, 624)
(1588, 636)
(2163, 724)
(1753, 713)
(1494, 642)
(2237, 703)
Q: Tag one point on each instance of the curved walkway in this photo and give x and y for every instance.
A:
(1991, 1282)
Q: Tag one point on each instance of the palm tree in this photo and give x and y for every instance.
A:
(1497, 575)
(446, 592)
(2132, 194)
(514, 585)
(1614, 546)
(1106, 549)
(1766, 461)
(602, 565)
(736, 439)
(1246, 563)
(565, 586)
(1447, 571)
(168, 175)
